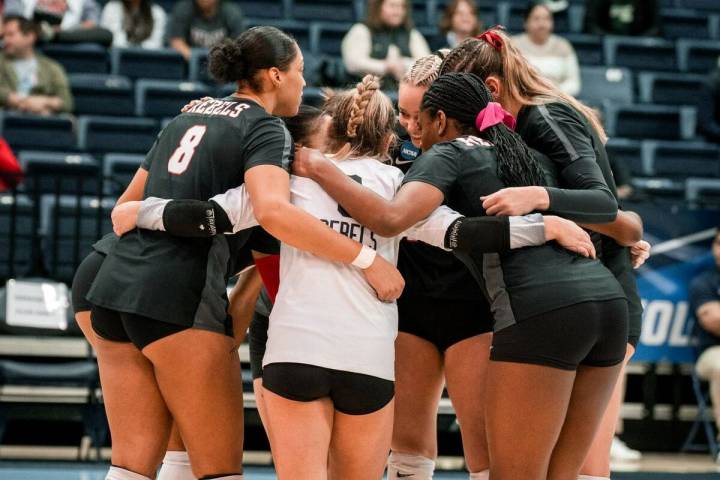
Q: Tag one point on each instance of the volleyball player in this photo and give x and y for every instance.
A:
(571, 135)
(535, 367)
(161, 301)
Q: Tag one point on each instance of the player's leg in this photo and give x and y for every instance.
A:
(360, 444)
(82, 281)
(176, 463)
(419, 384)
(300, 415)
(138, 417)
(203, 395)
(597, 462)
(465, 372)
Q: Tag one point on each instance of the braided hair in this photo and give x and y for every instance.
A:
(461, 96)
(362, 118)
(425, 70)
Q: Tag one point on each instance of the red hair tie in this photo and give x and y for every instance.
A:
(493, 115)
(492, 38)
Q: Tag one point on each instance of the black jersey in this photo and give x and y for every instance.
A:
(201, 153)
(521, 283)
(429, 271)
(565, 136)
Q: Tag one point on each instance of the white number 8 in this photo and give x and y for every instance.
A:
(180, 159)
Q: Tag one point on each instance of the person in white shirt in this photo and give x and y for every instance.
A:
(134, 23)
(553, 56)
(385, 45)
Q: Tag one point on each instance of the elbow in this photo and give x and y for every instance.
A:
(389, 225)
(271, 215)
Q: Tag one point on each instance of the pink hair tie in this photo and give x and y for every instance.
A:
(493, 115)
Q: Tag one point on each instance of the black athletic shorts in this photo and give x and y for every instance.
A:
(351, 393)
(84, 277)
(130, 328)
(443, 322)
(588, 333)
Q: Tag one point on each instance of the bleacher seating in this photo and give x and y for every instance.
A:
(263, 8)
(698, 56)
(324, 9)
(326, 37)
(118, 169)
(143, 63)
(38, 132)
(164, 98)
(682, 159)
(69, 226)
(669, 88)
(98, 94)
(650, 121)
(17, 231)
(588, 48)
(65, 173)
(703, 191)
(116, 134)
(600, 84)
(197, 66)
(84, 58)
(644, 53)
(628, 152)
(679, 23)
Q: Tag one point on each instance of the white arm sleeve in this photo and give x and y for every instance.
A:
(432, 230)
(237, 206)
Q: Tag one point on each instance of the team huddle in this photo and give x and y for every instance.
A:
(485, 253)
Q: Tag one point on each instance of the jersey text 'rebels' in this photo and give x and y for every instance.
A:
(219, 107)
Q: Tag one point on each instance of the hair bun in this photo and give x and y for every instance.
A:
(225, 61)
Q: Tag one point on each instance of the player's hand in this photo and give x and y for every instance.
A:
(385, 279)
(516, 201)
(569, 235)
(639, 253)
(308, 161)
(124, 217)
(193, 103)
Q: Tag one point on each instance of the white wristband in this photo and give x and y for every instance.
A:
(365, 258)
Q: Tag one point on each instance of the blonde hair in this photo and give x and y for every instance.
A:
(363, 120)
(521, 81)
(425, 70)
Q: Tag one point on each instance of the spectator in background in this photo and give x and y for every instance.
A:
(202, 23)
(386, 44)
(29, 81)
(460, 21)
(63, 21)
(623, 17)
(705, 304)
(134, 23)
(708, 107)
(551, 55)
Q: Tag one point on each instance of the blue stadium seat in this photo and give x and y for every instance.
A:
(650, 121)
(699, 56)
(640, 53)
(323, 10)
(703, 191)
(422, 13)
(37, 132)
(433, 37)
(660, 187)
(628, 152)
(83, 58)
(679, 23)
(55, 172)
(102, 94)
(669, 88)
(164, 98)
(589, 48)
(17, 230)
(313, 96)
(274, 9)
(300, 30)
(710, 5)
(118, 170)
(326, 37)
(116, 134)
(198, 67)
(70, 225)
(601, 84)
(682, 159)
(142, 63)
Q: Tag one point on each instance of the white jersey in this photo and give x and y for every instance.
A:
(325, 313)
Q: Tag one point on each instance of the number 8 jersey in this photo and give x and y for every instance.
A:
(201, 153)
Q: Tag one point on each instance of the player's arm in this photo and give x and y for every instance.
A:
(708, 314)
(135, 189)
(626, 229)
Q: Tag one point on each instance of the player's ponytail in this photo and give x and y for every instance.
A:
(465, 98)
(363, 121)
(239, 60)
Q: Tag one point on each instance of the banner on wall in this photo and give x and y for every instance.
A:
(681, 241)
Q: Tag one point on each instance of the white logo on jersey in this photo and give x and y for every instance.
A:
(472, 141)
